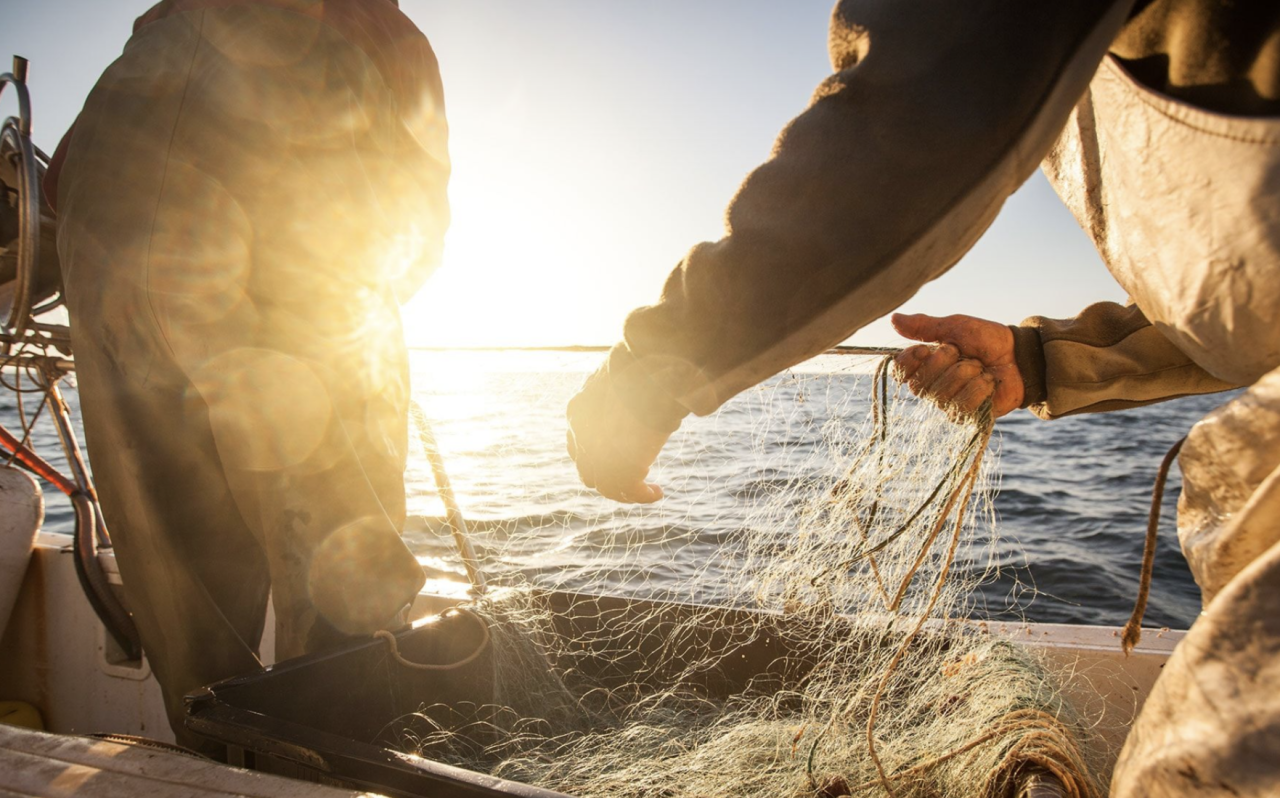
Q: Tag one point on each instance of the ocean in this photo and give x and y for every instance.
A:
(1071, 506)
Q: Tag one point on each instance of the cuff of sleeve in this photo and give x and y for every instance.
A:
(1028, 351)
(637, 390)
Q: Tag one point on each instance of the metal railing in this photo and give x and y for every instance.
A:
(42, 352)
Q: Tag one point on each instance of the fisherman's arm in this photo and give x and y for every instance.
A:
(1109, 357)
(935, 114)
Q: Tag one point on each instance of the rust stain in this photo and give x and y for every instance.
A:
(40, 616)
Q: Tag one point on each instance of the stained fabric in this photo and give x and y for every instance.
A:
(1184, 205)
(1211, 726)
(1181, 203)
(1108, 357)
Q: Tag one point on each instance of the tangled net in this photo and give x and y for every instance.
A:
(845, 666)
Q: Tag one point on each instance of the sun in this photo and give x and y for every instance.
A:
(524, 260)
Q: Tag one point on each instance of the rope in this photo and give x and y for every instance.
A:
(1133, 629)
(1036, 723)
(962, 477)
(383, 634)
(453, 512)
(965, 491)
(1042, 743)
(135, 741)
(880, 409)
(880, 417)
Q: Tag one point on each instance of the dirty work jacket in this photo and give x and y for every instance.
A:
(1184, 205)
(900, 162)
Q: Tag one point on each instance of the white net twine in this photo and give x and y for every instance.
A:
(846, 525)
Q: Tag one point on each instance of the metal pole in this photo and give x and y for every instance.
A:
(16, 134)
(71, 447)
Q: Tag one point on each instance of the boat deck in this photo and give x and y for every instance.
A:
(40, 765)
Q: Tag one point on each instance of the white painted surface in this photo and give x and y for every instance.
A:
(21, 513)
(55, 656)
(1103, 685)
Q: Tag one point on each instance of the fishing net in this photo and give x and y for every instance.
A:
(793, 620)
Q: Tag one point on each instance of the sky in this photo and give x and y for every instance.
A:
(593, 143)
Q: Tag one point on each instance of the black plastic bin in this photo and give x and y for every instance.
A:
(325, 717)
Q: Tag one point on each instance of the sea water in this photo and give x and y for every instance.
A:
(1071, 508)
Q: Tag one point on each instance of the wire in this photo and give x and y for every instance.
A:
(36, 464)
(419, 666)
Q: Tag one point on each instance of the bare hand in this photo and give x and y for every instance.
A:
(612, 449)
(974, 361)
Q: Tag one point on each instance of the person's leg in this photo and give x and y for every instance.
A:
(329, 369)
(136, 224)
(330, 521)
(234, 209)
(305, 376)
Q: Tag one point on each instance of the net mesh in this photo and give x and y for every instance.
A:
(794, 623)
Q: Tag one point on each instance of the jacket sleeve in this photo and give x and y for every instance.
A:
(936, 112)
(1110, 357)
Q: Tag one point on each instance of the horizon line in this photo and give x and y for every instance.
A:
(836, 350)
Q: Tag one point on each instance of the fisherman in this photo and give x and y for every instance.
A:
(250, 192)
(1158, 124)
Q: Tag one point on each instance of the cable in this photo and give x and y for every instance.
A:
(467, 660)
